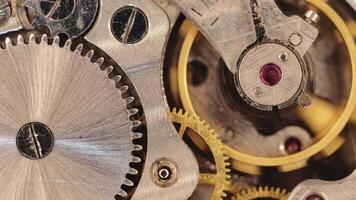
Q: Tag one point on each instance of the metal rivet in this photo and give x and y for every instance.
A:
(295, 39)
(57, 10)
(129, 25)
(164, 172)
(258, 91)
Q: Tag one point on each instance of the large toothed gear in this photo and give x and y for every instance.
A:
(70, 17)
(91, 119)
(220, 180)
(262, 192)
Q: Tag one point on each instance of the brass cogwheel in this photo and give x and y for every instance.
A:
(220, 180)
(262, 192)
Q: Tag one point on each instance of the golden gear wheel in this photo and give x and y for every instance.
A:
(220, 180)
(262, 192)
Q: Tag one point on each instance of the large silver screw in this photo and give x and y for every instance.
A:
(129, 25)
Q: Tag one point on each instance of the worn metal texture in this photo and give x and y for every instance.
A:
(80, 17)
(142, 62)
(86, 113)
(233, 26)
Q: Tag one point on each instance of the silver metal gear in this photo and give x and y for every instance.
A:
(89, 117)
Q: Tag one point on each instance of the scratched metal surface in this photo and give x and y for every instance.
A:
(84, 110)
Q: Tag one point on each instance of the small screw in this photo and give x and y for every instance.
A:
(129, 25)
(314, 196)
(283, 56)
(312, 17)
(295, 39)
(258, 91)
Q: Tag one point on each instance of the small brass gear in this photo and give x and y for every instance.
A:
(262, 192)
(220, 180)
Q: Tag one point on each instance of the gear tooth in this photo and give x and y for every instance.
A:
(174, 110)
(136, 123)
(100, 61)
(20, 39)
(135, 159)
(266, 188)
(79, 48)
(8, 42)
(32, 38)
(133, 111)
(228, 177)
(129, 100)
(244, 192)
(117, 79)
(136, 135)
(44, 38)
(223, 195)
(124, 89)
(90, 54)
(180, 112)
(228, 171)
(265, 192)
(128, 182)
(132, 171)
(122, 193)
(137, 147)
(109, 69)
(56, 40)
(284, 192)
(68, 44)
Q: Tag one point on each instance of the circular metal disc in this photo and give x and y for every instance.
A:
(86, 114)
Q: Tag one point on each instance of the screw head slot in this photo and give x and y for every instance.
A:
(35, 141)
(129, 25)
